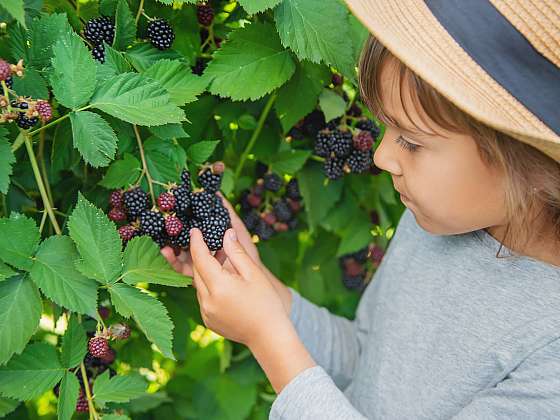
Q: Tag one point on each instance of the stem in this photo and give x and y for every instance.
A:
(41, 185)
(144, 164)
(92, 413)
(317, 158)
(43, 220)
(41, 157)
(256, 133)
(31, 133)
(140, 10)
(6, 95)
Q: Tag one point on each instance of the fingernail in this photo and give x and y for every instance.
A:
(191, 231)
(232, 235)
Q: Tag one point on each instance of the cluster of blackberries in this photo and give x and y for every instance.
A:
(160, 33)
(27, 112)
(355, 268)
(178, 210)
(96, 31)
(346, 150)
(204, 13)
(270, 206)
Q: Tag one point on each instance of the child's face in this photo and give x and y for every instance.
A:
(448, 187)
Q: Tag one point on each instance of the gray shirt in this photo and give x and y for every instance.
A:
(445, 330)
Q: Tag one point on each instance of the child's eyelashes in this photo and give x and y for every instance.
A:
(406, 144)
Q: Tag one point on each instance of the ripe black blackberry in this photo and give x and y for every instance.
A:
(292, 189)
(182, 198)
(359, 161)
(251, 219)
(243, 200)
(211, 182)
(353, 282)
(23, 121)
(213, 230)
(341, 143)
(260, 169)
(204, 14)
(202, 204)
(186, 179)
(135, 201)
(272, 182)
(334, 168)
(161, 238)
(151, 222)
(263, 230)
(313, 122)
(9, 82)
(99, 29)
(322, 143)
(183, 239)
(98, 346)
(361, 255)
(98, 52)
(221, 213)
(333, 124)
(160, 33)
(282, 210)
(368, 125)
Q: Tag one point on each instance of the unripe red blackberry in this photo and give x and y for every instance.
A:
(119, 331)
(269, 218)
(82, 403)
(44, 109)
(116, 199)
(376, 254)
(173, 225)
(109, 358)
(160, 33)
(127, 232)
(166, 201)
(5, 70)
(272, 182)
(204, 14)
(98, 346)
(117, 214)
(281, 227)
(363, 141)
(352, 267)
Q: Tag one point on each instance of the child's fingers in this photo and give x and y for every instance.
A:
(201, 289)
(204, 263)
(237, 255)
(171, 258)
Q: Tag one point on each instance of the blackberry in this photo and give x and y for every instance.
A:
(98, 346)
(322, 143)
(135, 201)
(269, 218)
(295, 205)
(160, 33)
(359, 161)
(104, 312)
(186, 179)
(166, 201)
(204, 14)
(209, 181)
(251, 219)
(243, 201)
(173, 225)
(213, 231)
(368, 125)
(281, 227)
(282, 210)
(44, 109)
(355, 110)
(221, 213)
(377, 254)
(99, 29)
(202, 203)
(254, 200)
(337, 79)
(182, 240)
(9, 82)
(5, 70)
(161, 238)
(313, 122)
(127, 232)
(272, 182)
(296, 133)
(363, 140)
(151, 222)
(82, 403)
(263, 230)
(341, 143)
(116, 199)
(199, 66)
(182, 197)
(98, 53)
(292, 189)
(292, 223)
(117, 214)
(353, 282)
(260, 169)
(333, 168)
(361, 256)
(25, 122)
(333, 124)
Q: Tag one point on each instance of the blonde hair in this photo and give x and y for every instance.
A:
(532, 179)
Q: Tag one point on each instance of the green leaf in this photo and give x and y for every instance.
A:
(332, 104)
(55, 274)
(19, 238)
(251, 64)
(20, 312)
(114, 64)
(31, 373)
(298, 97)
(125, 26)
(97, 241)
(144, 55)
(165, 159)
(74, 344)
(183, 86)
(201, 151)
(44, 33)
(68, 396)
(290, 161)
(6, 272)
(169, 131)
(143, 262)
(7, 159)
(137, 100)
(31, 84)
(118, 388)
(7, 405)
(73, 76)
(93, 137)
(148, 312)
(15, 8)
(255, 6)
(122, 172)
(316, 30)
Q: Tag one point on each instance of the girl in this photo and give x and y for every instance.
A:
(447, 328)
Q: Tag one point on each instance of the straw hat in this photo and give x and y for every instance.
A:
(497, 60)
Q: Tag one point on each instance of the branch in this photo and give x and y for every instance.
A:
(144, 164)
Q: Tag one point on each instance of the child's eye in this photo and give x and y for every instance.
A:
(406, 144)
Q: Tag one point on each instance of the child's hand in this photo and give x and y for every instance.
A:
(238, 303)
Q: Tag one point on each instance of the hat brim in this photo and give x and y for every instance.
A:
(409, 30)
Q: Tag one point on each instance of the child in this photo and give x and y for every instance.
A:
(445, 329)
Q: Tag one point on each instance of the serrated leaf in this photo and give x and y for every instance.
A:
(201, 151)
(6, 272)
(97, 241)
(93, 137)
(165, 159)
(31, 84)
(148, 312)
(137, 100)
(122, 172)
(20, 312)
(143, 262)
(74, 344)
(68, 396)
(289, 162)
(125, 26)
(16, 9)
(118, 388)
(316, 30)
(144, 55)
(44, 33)
(7, 159)
(331, 104)
(19, 238)
(256, 6)
(7, 405)
(31, 373)
(250, 64)
(169, 131)
(183, 86)
(73, 76)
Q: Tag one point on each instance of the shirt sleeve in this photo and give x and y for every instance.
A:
(531, 391)
(333, 341)
(312, 395)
